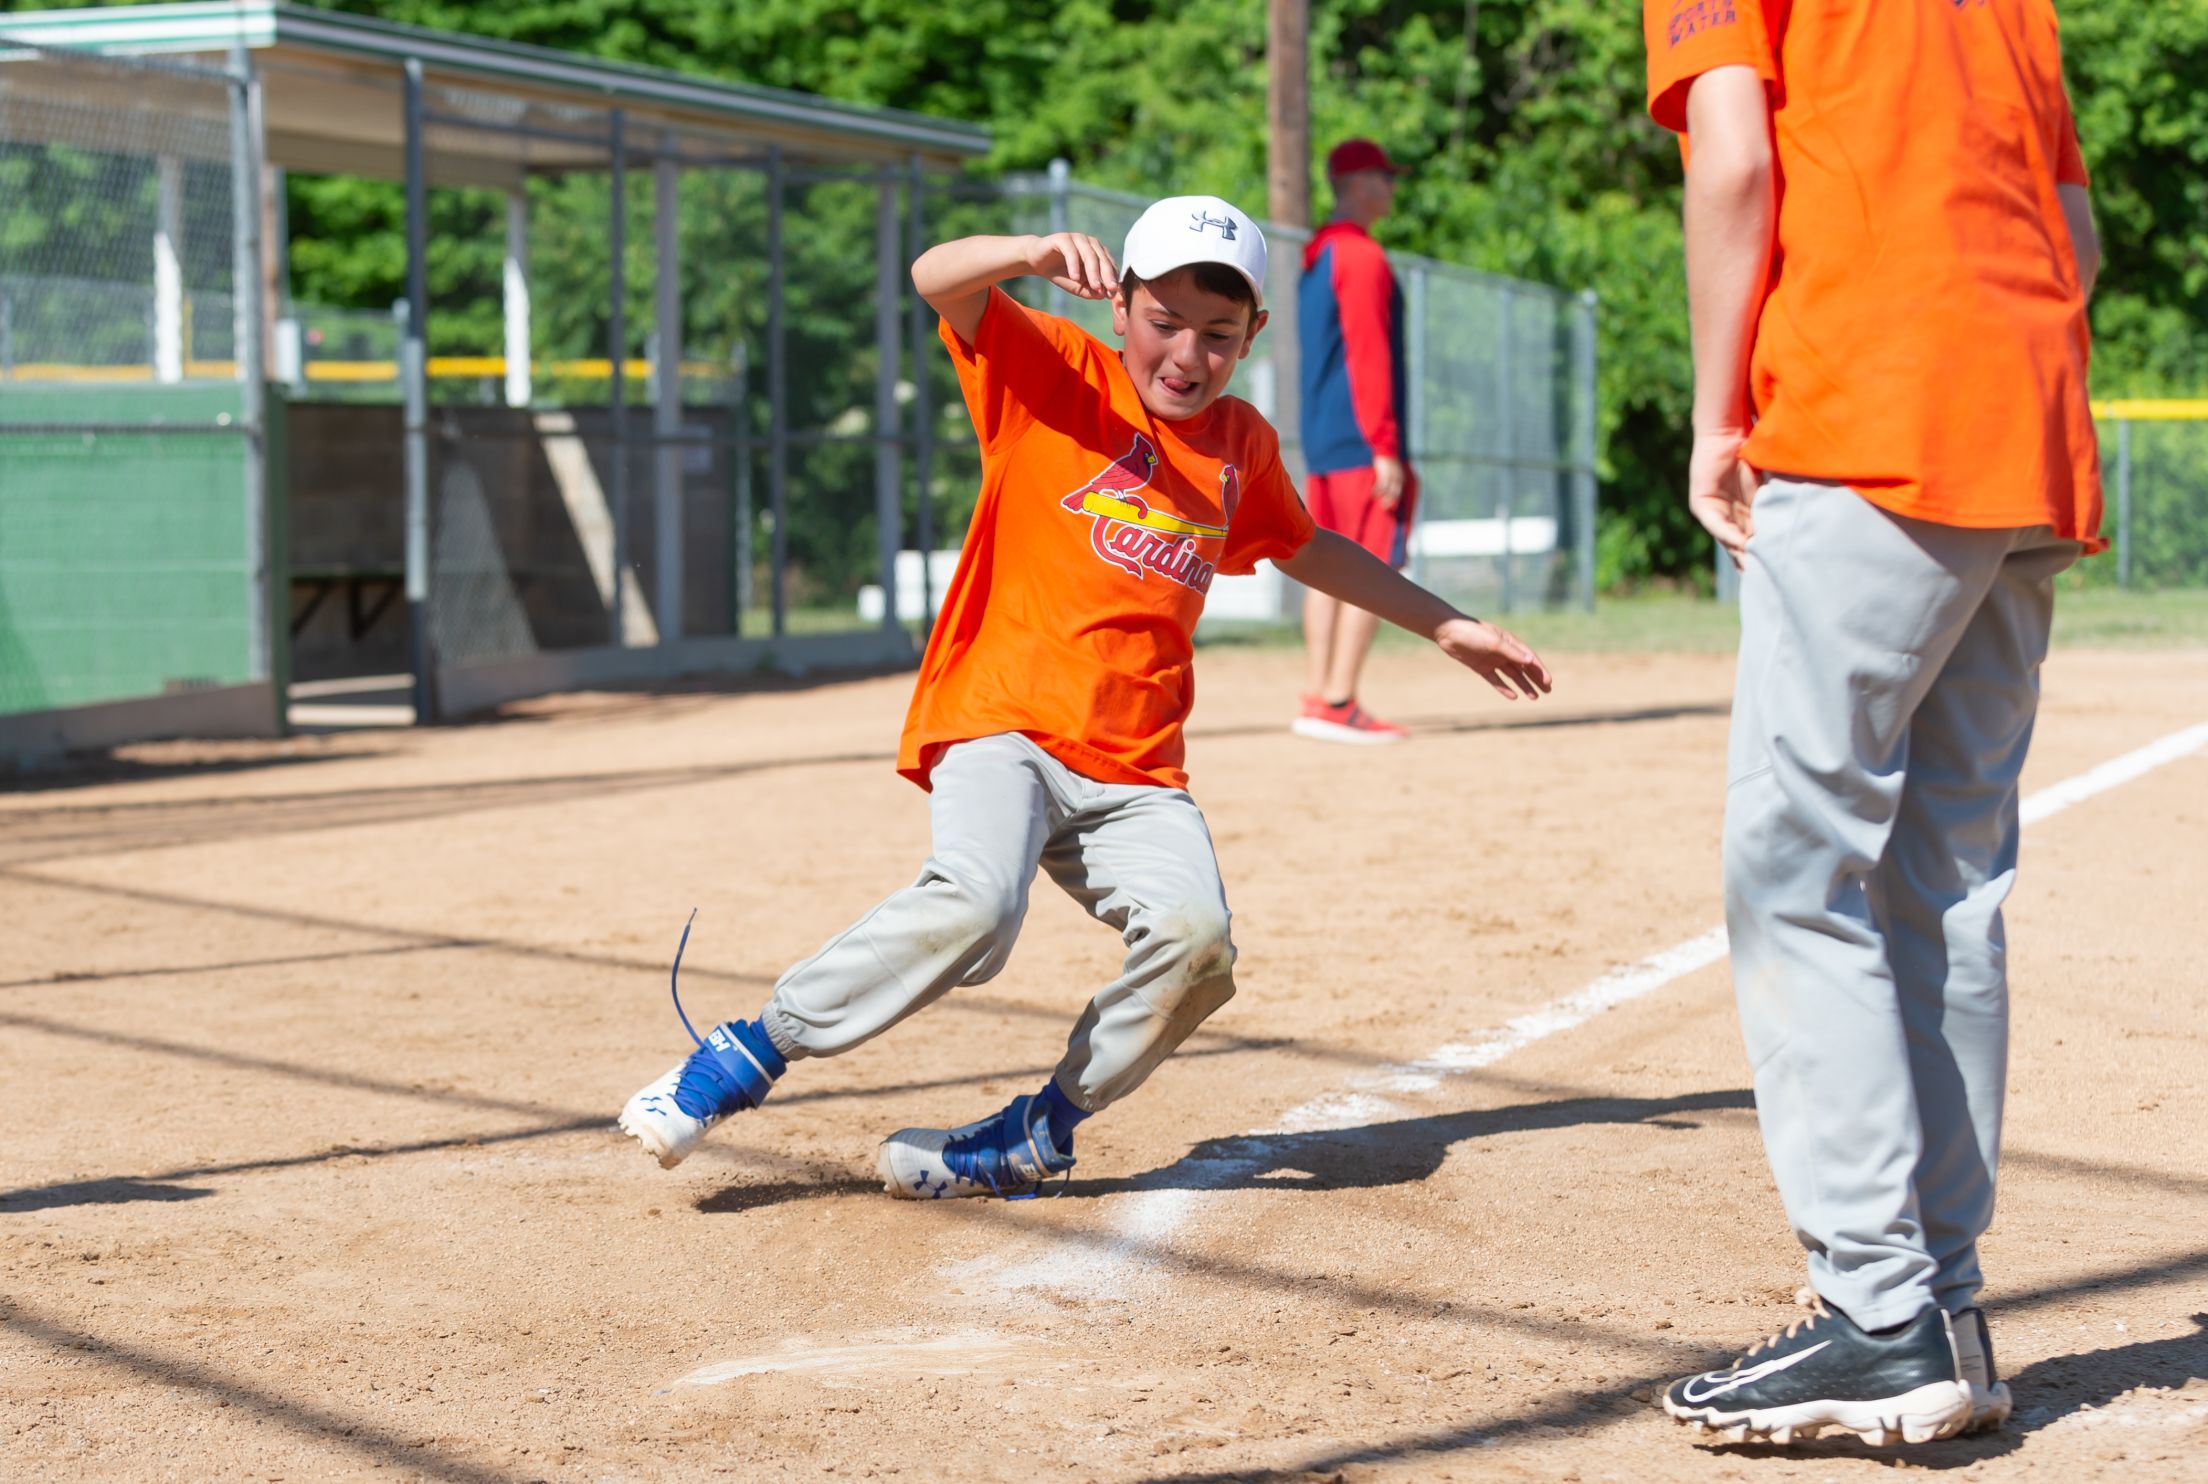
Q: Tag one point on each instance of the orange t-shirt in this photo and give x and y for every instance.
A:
(1072, 615)
(1924, 335)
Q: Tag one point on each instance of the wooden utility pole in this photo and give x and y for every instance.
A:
(1288, 111)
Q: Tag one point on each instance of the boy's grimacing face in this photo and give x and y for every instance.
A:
(1179, 343)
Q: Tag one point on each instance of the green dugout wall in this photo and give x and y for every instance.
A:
(127, 561)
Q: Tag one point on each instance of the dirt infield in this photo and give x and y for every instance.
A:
(309, 1054)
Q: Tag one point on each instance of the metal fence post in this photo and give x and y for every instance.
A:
(778, 398)
(742, 453)
(1061, 190)
(245, 214)
(617, 350)
(1414, 373)
(1509, 471)
(1728, 578)
(923, 407)
(414, 374)
(1584, 436)
(889, 452)
(667, 480)
(169, 350)
(514, 289)
(2123, 502)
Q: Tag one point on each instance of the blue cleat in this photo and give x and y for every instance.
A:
(1008, 1154)
(733, 1069)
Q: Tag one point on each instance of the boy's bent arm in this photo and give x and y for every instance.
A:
(1340, 568)
(955, 277)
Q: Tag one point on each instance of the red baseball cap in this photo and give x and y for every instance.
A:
(1353, 155)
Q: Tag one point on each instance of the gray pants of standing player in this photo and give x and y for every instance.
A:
(1137, 857)
(1889, 675)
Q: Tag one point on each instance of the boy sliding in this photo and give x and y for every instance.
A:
(1046, 723)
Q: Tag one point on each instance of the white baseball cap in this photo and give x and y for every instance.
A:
(1181, 230)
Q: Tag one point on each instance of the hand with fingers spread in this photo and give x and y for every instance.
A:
(1075, 262)
(1497, 656)
(1337, 566)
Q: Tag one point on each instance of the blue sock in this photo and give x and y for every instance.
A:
(1061, 1112)
(754, 1037)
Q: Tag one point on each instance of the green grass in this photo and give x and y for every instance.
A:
(757, 623)
(2109, 618)
(2093, 618)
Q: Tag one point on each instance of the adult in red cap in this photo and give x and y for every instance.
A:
(1351, 327)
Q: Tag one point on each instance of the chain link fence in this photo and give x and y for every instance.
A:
(133, 545)
(2154, 481)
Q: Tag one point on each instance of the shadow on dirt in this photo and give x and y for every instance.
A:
(121, 1189)
(115, 1192)
(1403, 1152)
(752, 1197)
(342, 1432)
(88, 769)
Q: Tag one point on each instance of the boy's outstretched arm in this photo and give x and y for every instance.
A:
(955, 277)
(1340, 568)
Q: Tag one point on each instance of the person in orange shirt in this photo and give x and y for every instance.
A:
(1888, 256)
(1046, 723)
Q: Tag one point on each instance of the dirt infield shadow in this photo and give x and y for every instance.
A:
(1401, 1152)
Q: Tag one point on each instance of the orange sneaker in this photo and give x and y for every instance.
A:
(1348, 722)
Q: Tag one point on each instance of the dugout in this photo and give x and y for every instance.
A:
(699, 305)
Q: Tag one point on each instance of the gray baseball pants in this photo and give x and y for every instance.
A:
(1889, 675)
(1136, 856)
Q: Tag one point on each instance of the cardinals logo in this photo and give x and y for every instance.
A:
(1138, 540)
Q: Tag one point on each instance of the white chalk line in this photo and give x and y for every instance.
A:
(959, 1354)
(2057, 797)
(1146, 1219)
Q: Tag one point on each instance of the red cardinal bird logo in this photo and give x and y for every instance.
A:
(1135, 538)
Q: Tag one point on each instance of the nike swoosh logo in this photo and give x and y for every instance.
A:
(1730, 1380)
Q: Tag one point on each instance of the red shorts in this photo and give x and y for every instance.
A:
(1342, 502)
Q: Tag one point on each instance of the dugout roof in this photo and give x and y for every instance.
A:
(499, 110)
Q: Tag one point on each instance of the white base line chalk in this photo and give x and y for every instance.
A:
(2057, 797)
(1147, 1218)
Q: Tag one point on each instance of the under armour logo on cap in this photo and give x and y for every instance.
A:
(1198, 220)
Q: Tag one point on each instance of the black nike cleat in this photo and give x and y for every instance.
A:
(1824, 1374)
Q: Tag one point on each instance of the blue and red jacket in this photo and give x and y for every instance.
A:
(1350, 317)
